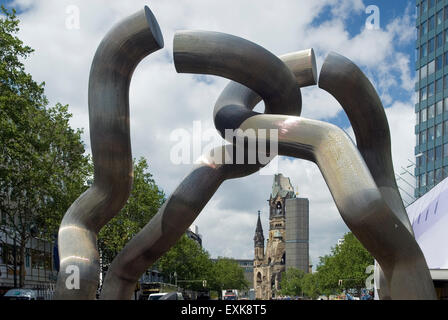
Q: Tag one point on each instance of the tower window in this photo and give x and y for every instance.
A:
(279, 208)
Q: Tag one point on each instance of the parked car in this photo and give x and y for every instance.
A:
(172, 296)
(156, 296)
(20, 294)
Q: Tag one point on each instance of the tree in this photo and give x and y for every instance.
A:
(346, 267)
(227, 274)
(144, 201)
(189, 261)
(310, 285)
(43, 168)
(292, 282)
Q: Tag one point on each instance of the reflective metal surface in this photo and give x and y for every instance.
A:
(115, 60)
(360, 179)
(197, 188)
(348, 84)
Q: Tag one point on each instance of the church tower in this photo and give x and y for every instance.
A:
(259, 243)
(287, 239)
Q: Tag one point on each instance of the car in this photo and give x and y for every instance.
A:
(172, 296)
(20, 294)
(156, 296)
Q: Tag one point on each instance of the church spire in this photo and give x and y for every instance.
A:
(259, 238)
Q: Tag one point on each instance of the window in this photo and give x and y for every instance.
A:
(423, 29)
(431, 3)
(431, 43)
(438, 153)
(423, 94)
(423, 115)
(417, 118)
(431, 67)
(422, 137)
(439, 107)
(424, 50)
(423, 72)
(424, 6)
(431, 134)
(445, 80)
(421, 161)
(438, 176)
(446, 13)
(431, 112)
(423, 180)
(439, 129)
(431, 23)
(440, 17)
(431, 155)
(445, 150)
(431, 178)
(439, 85)
(439, 40)
(439, 63)
(430, 92)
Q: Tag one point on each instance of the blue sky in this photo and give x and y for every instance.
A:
(162, 100)
(389, 11)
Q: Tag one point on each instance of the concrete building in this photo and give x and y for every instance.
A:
(193, 233)
(287, 244)
(40, 266)
(297, 234)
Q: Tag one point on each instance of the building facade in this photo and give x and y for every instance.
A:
(287, 244)
(40, 266)
(431, 88)
(193, 233)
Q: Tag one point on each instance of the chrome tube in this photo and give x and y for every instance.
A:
(189, 198)
(359, 99)
(240, 60)
(124, 46)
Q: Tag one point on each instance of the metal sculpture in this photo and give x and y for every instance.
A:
(360, 178)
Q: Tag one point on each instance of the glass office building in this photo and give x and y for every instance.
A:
(431, 106)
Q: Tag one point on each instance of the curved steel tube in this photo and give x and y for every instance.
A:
(115, 60)
(393, 259)
(358, 199)
(189, 198)
(351, 88)
(240, 60)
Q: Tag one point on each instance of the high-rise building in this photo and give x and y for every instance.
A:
(431, 88)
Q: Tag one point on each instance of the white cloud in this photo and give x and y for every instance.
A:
(162, 100)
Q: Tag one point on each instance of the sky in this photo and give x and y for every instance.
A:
(162, 101)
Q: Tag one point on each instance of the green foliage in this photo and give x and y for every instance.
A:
(347, 262)
(143, 203)
(43, 168)
(189, 261)
(227, 274)
(192, 264)
(292, 282)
